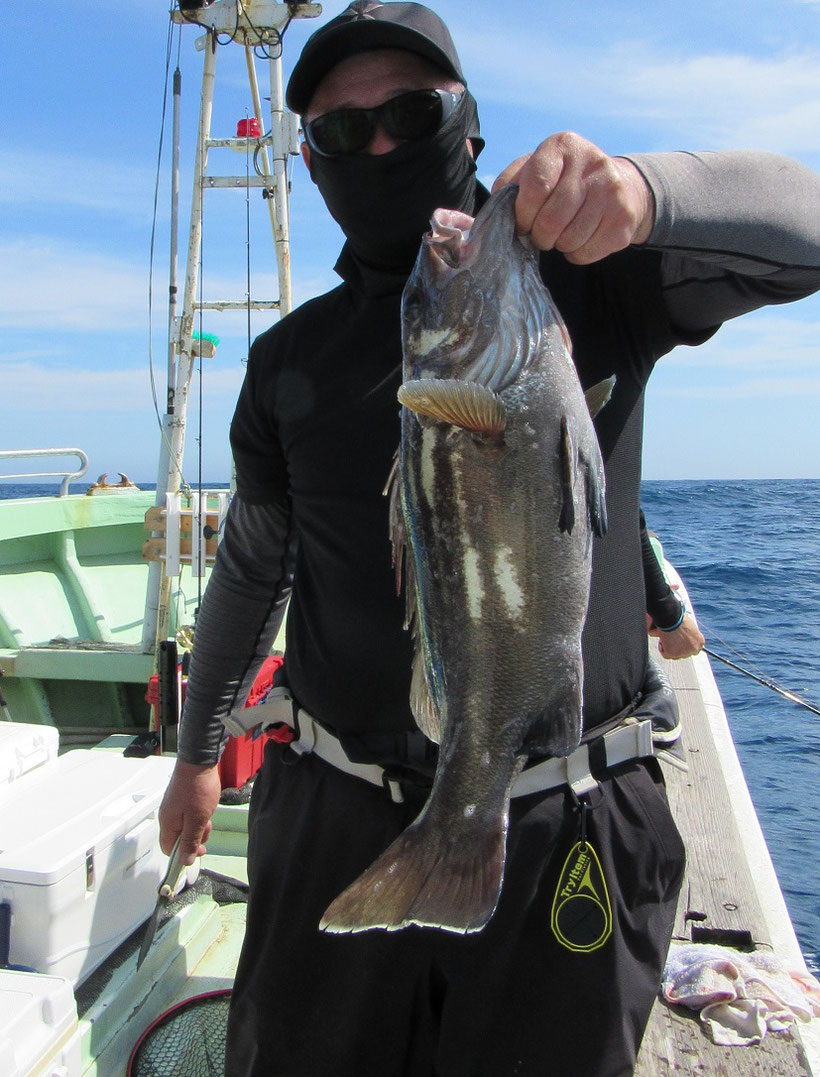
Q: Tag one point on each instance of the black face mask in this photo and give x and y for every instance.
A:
(384, 203)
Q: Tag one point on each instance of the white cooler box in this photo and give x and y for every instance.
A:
(80, 862)
(38, 1021)
(24, 747)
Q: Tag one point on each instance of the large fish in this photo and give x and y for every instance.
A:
(501, 486)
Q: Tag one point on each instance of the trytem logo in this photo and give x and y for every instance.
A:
(581, 918)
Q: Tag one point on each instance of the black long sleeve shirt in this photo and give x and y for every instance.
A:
(317, 424)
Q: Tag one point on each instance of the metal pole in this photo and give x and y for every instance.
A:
(281, 234)
(264, 161)
(157, 604)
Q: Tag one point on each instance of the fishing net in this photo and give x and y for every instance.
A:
(186, 1041)
(222, 888)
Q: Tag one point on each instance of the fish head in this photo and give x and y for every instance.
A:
(451, 302)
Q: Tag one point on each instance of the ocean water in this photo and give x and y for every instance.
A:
(749, 553)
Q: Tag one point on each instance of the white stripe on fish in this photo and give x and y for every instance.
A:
(506, 577)
(473, 583)
(428, 466)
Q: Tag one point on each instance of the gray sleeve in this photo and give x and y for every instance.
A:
(737, 230)
(241, 612)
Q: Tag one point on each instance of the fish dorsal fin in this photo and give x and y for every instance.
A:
(460, 403)
(421, 702)
(598, 395)
(398, 537)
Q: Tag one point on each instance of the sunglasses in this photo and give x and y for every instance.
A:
(407, 117)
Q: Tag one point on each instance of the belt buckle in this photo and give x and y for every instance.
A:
(579, 775)
(392, 786)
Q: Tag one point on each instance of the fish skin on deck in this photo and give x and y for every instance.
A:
(720, 891)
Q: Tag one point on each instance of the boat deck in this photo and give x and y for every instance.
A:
(730, 895)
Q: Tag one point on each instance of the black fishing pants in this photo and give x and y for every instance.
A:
(510, 1000)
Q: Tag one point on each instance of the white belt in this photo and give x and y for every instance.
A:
(630, 740)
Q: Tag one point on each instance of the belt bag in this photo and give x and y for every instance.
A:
(630, 740)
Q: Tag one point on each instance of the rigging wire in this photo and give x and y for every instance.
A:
(155, 210)
(152, 244)
(198, 508)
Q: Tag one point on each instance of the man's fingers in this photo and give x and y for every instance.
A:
(189, 802)
(167, 840)
(510, 173)
(192, 843)
(541, 192)
(575, 198)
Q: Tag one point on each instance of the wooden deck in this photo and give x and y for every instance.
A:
(730, 894)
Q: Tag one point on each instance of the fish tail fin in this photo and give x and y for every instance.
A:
(429, 876)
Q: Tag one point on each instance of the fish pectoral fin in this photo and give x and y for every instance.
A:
(597, 396)
(596, 493)
(566, 457)
(557, 729)
(465, 404)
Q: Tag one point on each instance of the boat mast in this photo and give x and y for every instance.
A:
(253, 24)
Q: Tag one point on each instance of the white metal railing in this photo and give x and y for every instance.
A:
(28, 454)
(186, 531)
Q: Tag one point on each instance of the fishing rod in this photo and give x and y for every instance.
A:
(791, 696)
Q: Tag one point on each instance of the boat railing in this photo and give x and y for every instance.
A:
(62, 472)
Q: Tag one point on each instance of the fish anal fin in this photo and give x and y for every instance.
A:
(430, 877)
(597, 396)
(466, 404)
(424, 709)
(566, 456)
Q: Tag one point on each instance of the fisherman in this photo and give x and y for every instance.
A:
(640, 253)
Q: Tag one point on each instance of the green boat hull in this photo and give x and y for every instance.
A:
(73, 586)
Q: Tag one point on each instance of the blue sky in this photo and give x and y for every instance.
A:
(81, 106)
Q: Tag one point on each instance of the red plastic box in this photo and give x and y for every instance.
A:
(243, 756)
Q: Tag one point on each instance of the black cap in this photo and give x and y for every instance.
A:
(368, 25)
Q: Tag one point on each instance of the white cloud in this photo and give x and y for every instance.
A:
(715, 100)
(759, 388)
(28, 355)
(52, 286)
(766, 340)
(35, 177)
(729, 99)
(33, 387)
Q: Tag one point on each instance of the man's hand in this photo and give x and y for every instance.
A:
(574, 197)
(189, 802)
(682, 642)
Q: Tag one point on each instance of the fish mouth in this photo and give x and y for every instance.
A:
(455, 238)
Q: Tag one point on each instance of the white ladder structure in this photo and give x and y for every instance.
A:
(253, 25)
